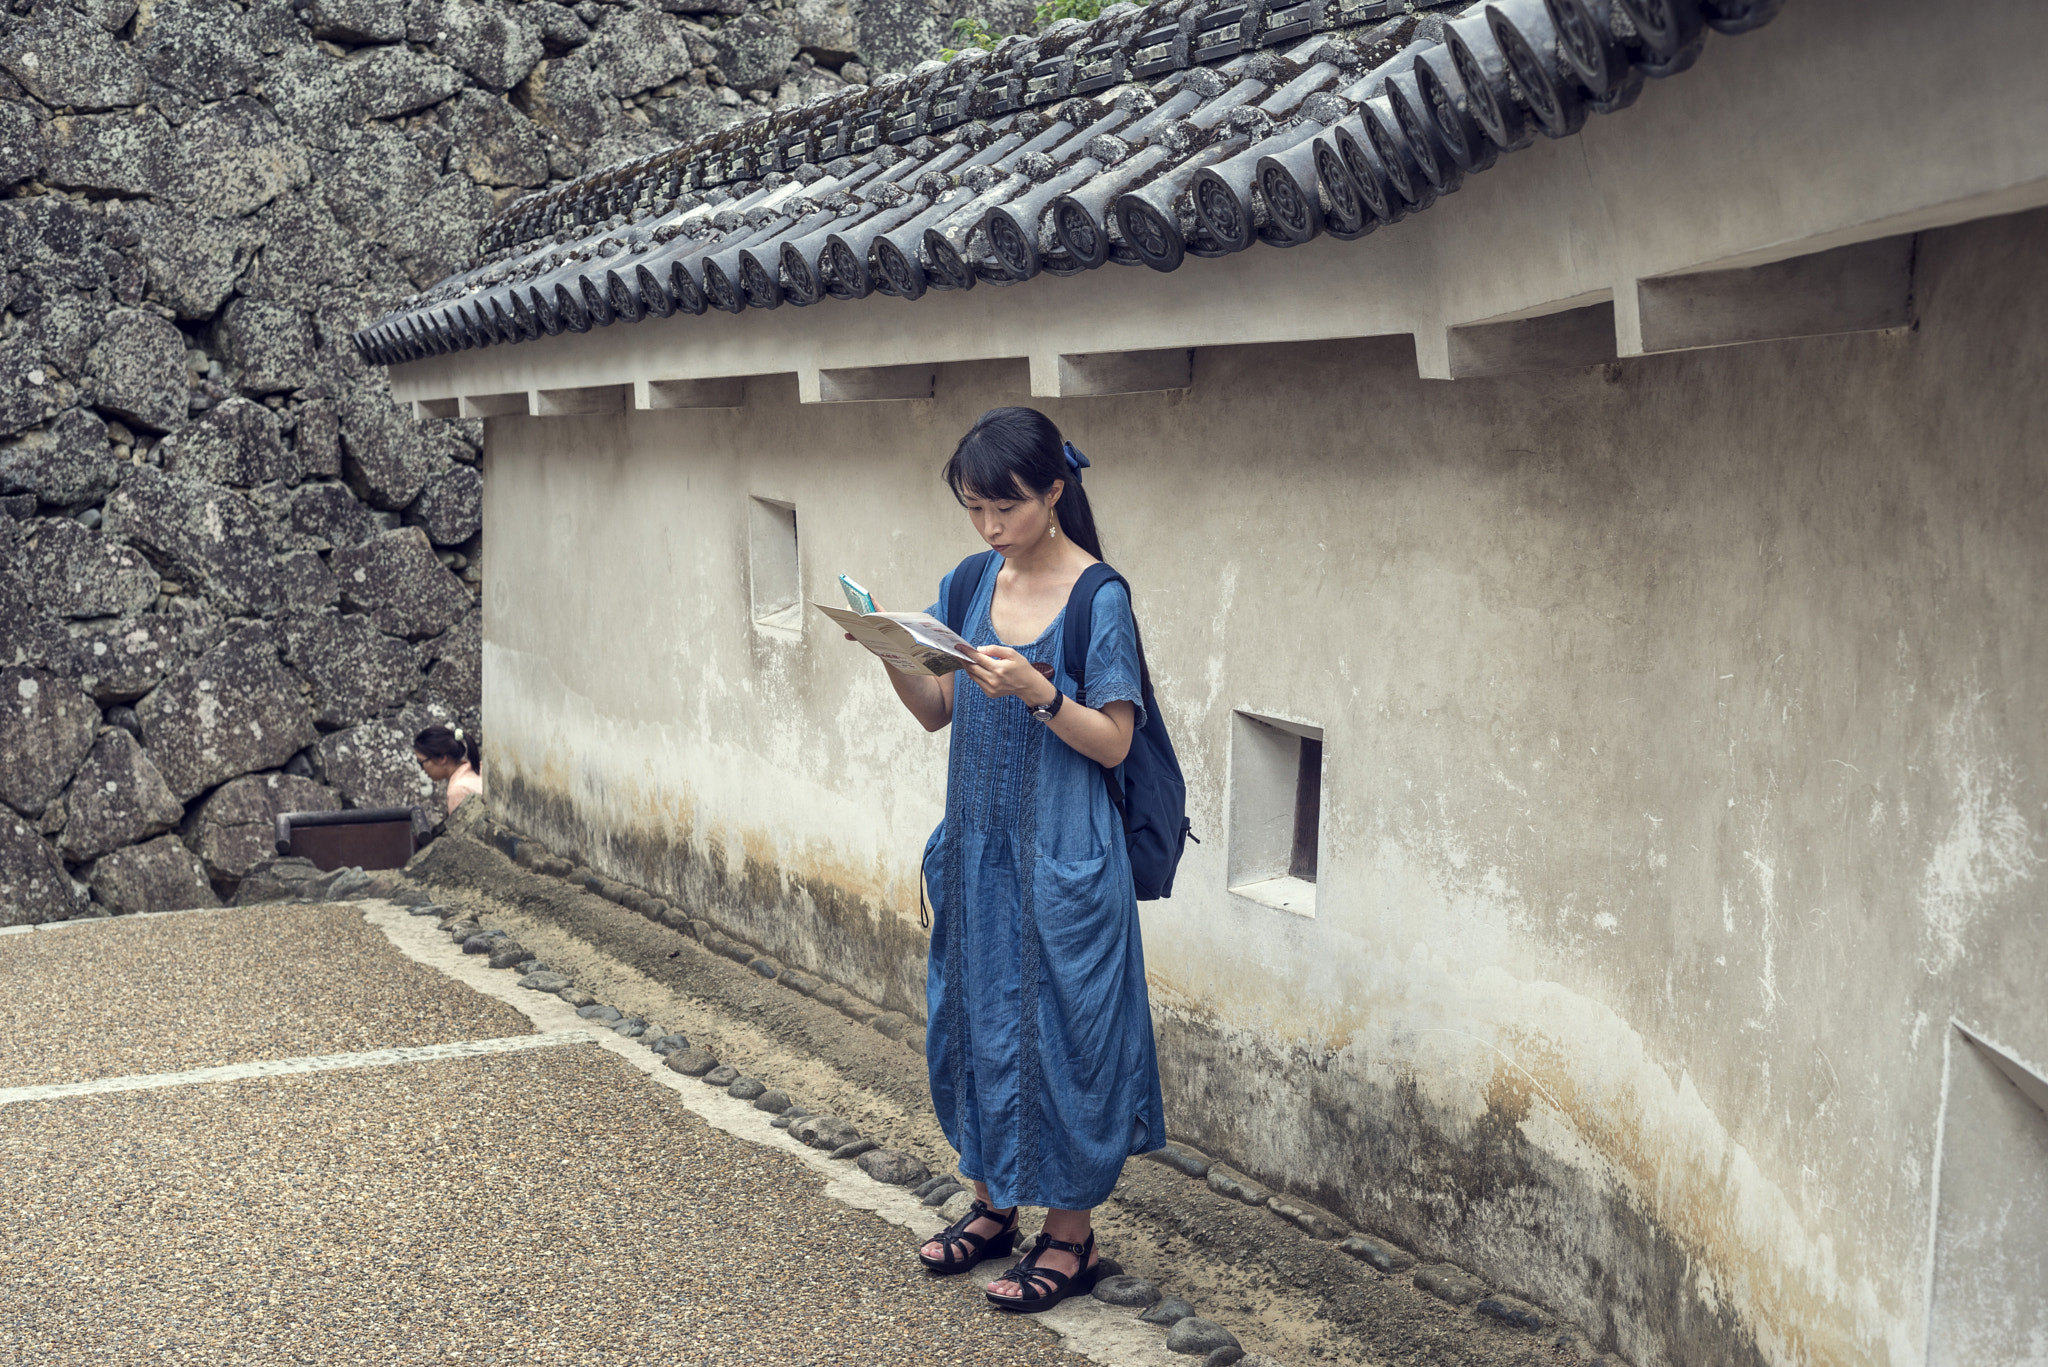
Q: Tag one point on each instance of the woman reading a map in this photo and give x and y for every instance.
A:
(1040, 1034)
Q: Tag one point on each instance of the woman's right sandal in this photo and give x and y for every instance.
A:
(977, 1246)
(1043, 1287)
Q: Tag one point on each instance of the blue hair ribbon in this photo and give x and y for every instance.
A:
(1075, 460)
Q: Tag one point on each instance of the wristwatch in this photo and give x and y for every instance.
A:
(1048, 710)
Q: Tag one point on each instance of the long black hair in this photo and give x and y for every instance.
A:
(441, 742)
(1018, 451)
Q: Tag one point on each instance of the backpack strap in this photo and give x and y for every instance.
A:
(966, 579)
(1080, 625)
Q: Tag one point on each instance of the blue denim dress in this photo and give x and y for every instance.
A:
(1043, 1069)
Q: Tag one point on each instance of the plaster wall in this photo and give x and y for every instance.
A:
(1686, 766)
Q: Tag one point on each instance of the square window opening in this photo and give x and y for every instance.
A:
(1276, 803)
(773, 576)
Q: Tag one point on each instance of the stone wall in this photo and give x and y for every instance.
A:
(235, 577)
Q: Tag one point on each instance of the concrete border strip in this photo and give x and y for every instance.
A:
(285, 1067)
(118, 920)
(1102, 1333)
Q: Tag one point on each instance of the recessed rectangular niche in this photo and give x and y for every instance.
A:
(772, 574)
(1990, 1226)
(1276, 804)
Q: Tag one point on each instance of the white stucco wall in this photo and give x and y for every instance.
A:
(1686, 729)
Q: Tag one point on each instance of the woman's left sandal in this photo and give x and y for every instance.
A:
(1044, 1287)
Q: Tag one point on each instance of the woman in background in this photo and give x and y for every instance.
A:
(449, 757)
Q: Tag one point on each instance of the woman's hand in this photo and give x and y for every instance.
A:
(1006, 674)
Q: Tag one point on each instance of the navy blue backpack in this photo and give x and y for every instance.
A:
(1147, 788)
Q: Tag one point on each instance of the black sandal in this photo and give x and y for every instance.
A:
(978, 1246)
(1043, 1287)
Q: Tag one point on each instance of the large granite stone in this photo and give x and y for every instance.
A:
(567, 98)
(387, 82)
(110, 15)
(109, 154)
(54, 239)
(236, 443)
(65, 328)
(46, 728)
(372, 765)
(118, 798)
(494, 144)
(22, 628)
(318, 438)
(357, 672)
(308, 87)
(161, 875)
(306, 255)
(695, 113)
(271, 343)
(66, 464)
(63, 60)
(27, 397)
(235, 157)
(753, 53)
(379, 181)
(309, 586)
(636, 49)
(328, 510)
(439, 237)
(357, 21)
(558, 26)
(190, 261)
(457, 675)
(825, 29)
(235, 828)
(118, 661)
(141, 365)
(386, 461)
(22, 154)
(203, 48)
(81, 573)
(210, 537)
(233, 711)
(491, 43)
(399, 583)
(895, 35)
(451, 506)
(33, 884)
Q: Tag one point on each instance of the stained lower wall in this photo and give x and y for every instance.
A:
(1686, 728)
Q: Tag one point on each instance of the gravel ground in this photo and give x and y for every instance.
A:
(159, 994)
(533, 1208)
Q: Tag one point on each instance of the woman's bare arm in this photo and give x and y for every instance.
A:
(929, 700)
(1104, 736)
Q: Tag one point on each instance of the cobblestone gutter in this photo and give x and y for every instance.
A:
(1213, 1259)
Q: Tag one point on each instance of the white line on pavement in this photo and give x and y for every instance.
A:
(281, 1067)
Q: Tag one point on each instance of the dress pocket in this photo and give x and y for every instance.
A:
(1082, 909)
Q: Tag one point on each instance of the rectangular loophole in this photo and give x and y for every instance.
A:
(597, 398)
(728, 391)
(492, 405)
(872, 384)
(437, 408)
(1866, 287)
(1565, 340)
(1276, 804)
(773, 576)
